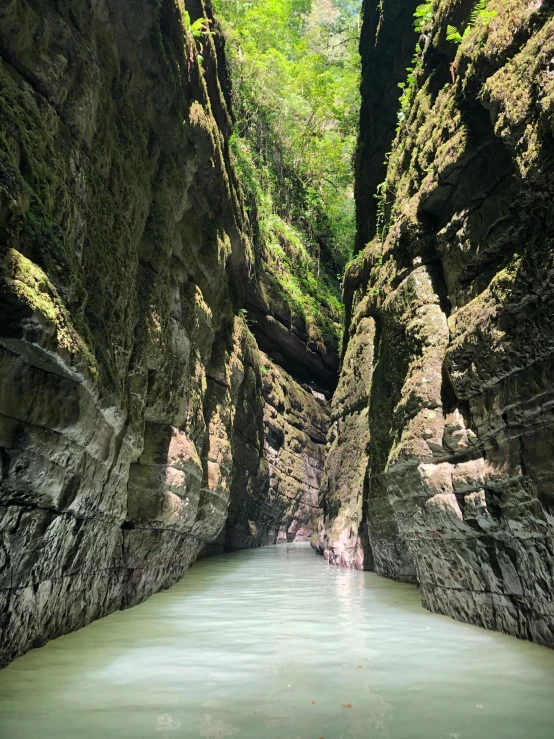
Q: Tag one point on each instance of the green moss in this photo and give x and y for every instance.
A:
(30, 284)
(289, 258)
(93, 210)
(39, 166)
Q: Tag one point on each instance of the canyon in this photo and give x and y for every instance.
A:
(160, 400)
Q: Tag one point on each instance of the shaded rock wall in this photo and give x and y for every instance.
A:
(387, 42)
(288, 338)
(131, 392)
(280, 503)
(296, 421)
(447, 376)
(123, 244)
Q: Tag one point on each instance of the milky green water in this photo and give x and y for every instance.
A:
(275, 644)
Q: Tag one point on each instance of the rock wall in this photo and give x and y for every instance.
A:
(284, 505)
(285, 335)
(131, 392)
(387, 42)
(296, 422)
(440, 467)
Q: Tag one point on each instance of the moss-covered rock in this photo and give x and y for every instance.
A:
(126, 373)
(137, 415)
(454, 481)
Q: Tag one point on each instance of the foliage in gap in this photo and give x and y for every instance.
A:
(295, 72)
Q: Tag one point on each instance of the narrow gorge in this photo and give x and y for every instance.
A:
(258, 290)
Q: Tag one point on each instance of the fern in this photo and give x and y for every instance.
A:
(486, 16)
(422, 16)
(200, 27)
(479, 16)
(481, 7)
(452, 34)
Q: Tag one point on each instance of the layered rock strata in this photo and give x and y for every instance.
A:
(280, 503)
(439, 468)
(296, 421)
(131, 391)
(285, 336)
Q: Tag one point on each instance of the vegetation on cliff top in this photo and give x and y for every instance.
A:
(295, 75)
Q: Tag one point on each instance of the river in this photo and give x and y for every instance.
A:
(275, 644)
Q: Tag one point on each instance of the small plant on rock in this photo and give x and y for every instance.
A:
(423, 18)
(194, 32)
(480, 16)
(200, 27)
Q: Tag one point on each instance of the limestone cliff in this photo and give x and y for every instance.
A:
(439, 468)
(134, 432)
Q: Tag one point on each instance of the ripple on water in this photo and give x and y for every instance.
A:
(275, 644)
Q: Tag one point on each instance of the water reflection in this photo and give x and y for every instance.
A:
(275, 644)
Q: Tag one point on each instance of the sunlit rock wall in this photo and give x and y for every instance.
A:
(446, 394)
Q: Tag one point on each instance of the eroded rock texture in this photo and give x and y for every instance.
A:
(131, 393)
(296, 421)
(440, 463)
(281, 503)
(287, 337)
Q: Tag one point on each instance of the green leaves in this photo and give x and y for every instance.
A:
(486, 16)
(408, 88)
(194, 32)
(295, 72)
(423, 16)
(480, 16)
(295, 69)
(453, 35)
(200, 27)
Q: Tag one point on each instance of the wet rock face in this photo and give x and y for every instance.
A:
(132, 422)
(451, 318)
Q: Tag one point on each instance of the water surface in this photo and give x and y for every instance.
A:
(275, 644)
